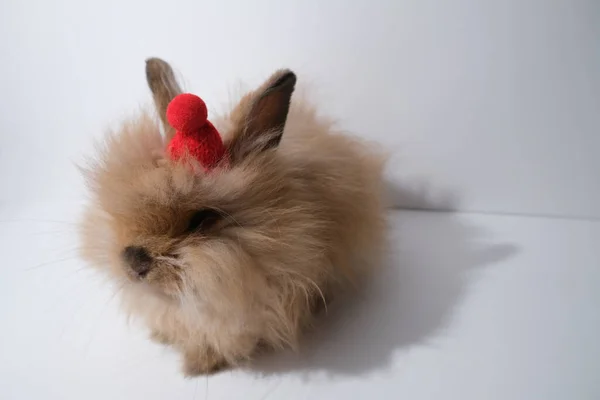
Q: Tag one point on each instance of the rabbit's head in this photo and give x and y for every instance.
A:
(221, 236)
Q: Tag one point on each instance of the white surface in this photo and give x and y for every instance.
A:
(495, 100)
(468, 307)
(486, 106)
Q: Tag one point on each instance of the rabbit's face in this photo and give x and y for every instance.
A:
(183, 231)
(176, 230)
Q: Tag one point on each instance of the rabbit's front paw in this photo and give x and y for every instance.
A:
(203, 362)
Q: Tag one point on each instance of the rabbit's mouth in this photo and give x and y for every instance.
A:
(165, 277)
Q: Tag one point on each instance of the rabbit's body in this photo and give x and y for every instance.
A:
(295, 222)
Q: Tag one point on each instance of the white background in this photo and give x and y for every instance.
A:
(490, 108)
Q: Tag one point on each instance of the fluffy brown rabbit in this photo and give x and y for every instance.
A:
(222, 264)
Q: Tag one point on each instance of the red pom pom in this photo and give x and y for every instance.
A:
(195, 135)
(187, 112)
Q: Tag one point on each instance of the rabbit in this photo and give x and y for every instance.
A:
(223, 264)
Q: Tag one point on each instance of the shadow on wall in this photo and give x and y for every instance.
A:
(409, 302)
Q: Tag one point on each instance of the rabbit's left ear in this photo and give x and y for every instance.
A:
(164, 87)
(262, 124)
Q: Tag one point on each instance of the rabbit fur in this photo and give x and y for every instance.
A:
(295, 217)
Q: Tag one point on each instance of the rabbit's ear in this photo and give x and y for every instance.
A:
(261, 126)
(164, 87)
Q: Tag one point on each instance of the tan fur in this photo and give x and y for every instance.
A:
(301, 222)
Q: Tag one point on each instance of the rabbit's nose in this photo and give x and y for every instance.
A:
(138, 259)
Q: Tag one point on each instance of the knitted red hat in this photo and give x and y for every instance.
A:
(195, 135)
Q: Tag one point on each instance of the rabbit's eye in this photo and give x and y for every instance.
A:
(202, 219)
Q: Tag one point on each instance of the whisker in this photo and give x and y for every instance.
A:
(41, 233)
(38, 220)
(78, 270)
(116, 291)
(62, 294)
(50, 263)
(170, 260)
(81, 305)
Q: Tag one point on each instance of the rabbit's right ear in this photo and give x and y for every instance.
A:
(261, 116)
(164, 87)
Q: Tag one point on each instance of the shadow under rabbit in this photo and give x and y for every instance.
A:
(430, 265)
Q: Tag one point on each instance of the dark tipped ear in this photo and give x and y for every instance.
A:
(262, 126)
(164, 87)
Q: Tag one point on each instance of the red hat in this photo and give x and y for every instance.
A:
(195, 135)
